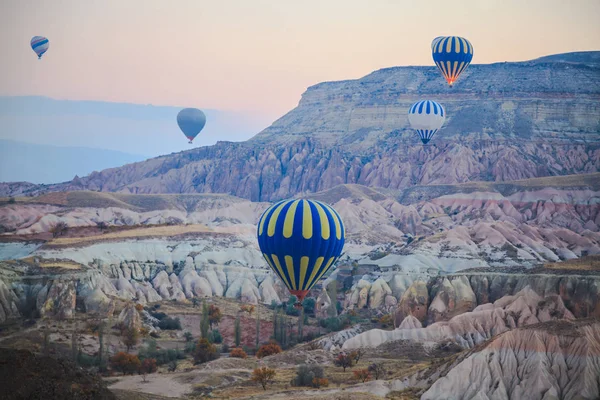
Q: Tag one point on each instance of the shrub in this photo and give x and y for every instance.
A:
(238, 353)
(357, 354)
(306, 374)
(344, 361)
(215, 337)
(139, 307)
(362, 375)
(386, 321)
(125, 362)
(169, 323)
(377, 369)
(188, 336)
(320, 382)
(268, 349)
(224, 348)
(101, 225)
(59, 229)
(158, 315)
(161, 356)
(205, 351)
(189, 347)
(11, 200)
(148, 367)
(264, 376)
(289, 307)
(131, 337)
(309, 305)
(248, 308)
(214, 315)
(172, 367)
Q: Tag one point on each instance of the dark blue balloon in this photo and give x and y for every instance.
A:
(191, 121)
(452, 55)
(300, 240)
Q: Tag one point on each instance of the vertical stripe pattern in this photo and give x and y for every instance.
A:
(452, 55)
(426, 117)
(300, 240)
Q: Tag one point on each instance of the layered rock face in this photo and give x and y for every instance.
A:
(505, 121)
(555, 360)
(395, 247)
(472, 328)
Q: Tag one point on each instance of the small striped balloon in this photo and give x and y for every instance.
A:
(452, 55)
(40, 45)
(426, 117)
(300, 240)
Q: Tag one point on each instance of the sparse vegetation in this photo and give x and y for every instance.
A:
(307, 374)
(362, 375)
(237, 331)
(264, 376)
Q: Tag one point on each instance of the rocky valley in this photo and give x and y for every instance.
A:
(476, 256)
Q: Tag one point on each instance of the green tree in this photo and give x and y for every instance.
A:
(100, 344)
(204, 321)
(237, 332)
(131, 337)
(188, 336)
(74, 345)
(332, 292)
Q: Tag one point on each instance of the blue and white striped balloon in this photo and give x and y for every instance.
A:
(426, 117)
(40, 45)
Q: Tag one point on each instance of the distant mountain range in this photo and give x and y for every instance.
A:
(36, 163)
(506, 121)
(100, 134)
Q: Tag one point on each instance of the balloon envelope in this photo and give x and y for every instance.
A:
(191, 121)
(300, 240)
(40, 45)
(452, 55)
(426, 117)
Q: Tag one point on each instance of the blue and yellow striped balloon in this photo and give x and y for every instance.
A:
(301, 240)
(452, 55)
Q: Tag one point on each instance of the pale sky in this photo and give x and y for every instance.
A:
(261, 55)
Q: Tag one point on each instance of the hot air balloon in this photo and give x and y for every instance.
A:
(426, 117)
(452, 55)
(300, 240)
(40, 45)
(191, 121)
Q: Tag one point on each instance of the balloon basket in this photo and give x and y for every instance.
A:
(298, 306)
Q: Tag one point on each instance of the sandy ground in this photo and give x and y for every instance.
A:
(167, 385)
(134, 233)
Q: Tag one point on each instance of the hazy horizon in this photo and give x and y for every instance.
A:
(260, 56)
